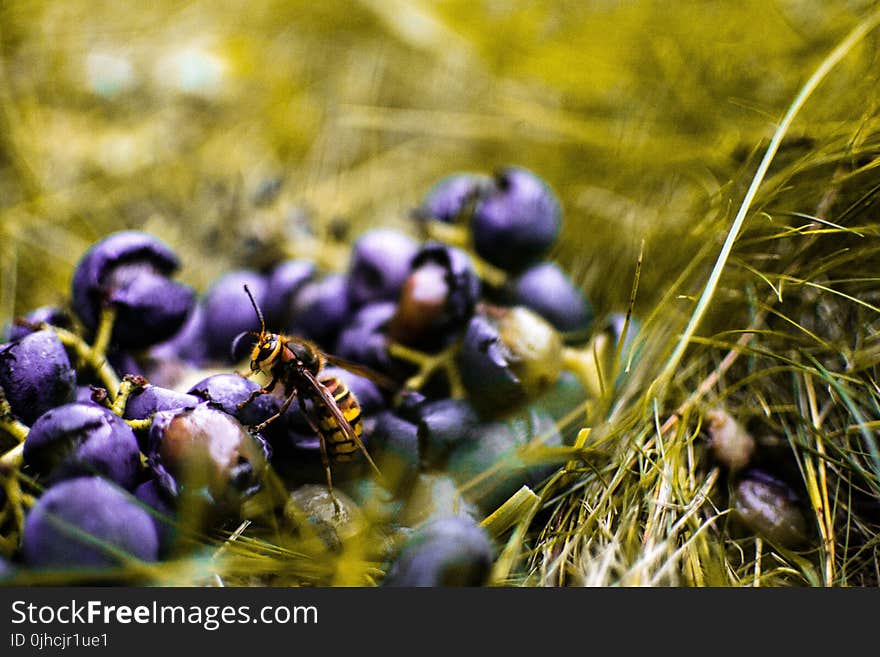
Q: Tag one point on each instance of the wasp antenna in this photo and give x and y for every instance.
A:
(257, 310)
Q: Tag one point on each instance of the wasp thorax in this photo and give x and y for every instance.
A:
(306, 355)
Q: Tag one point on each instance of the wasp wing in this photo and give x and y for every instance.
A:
(330, 403)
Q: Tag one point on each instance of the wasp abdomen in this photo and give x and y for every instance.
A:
(340, 447)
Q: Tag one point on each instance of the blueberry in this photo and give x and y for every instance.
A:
(130, 271)
(450, 197)
(508, 356)
(87, 522)
(160, 505)
(548, 290)
(447, 551)
(285, 280)
(517, 222)
(394, 445)
(44, 315)
(438, 296)
(205, 449)
(380, 263)
(81, 439)
(768, 506)
(36, 375)
(228, 390)
(321, 309)
(442, 424)
(364, 339)
(228, 310)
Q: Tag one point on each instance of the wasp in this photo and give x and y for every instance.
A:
(297, 364)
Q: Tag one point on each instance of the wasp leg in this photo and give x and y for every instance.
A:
(256, 393)
(325, 457)
(262, 425)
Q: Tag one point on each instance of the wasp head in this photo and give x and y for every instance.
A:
(265, 352)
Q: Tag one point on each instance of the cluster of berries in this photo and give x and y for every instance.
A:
(446, 356)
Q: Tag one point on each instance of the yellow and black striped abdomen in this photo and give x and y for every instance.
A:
(340, 446)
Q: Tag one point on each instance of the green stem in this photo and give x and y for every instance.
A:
(92, 358)
(428, 364)
(129, 385)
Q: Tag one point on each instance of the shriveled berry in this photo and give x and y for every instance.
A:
(380, 263)
(159, 504)
(36, 375)
(769, 507)
(130, 271)
(450, 197)
(206, 449)
(364, 339)
(448, 551)
(321, 309)
(438, 296)
(87, 522)
(517, 222)
(228, 310)
(548, 290)
(81, 439)
(335, 517)
(285, 281)
(509, 356)
(730, 442)
(44, 315)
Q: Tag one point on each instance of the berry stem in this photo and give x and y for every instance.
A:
(428, 364)
(129, 385)
(94, 359)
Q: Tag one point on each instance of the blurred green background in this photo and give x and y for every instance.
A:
(175, 117)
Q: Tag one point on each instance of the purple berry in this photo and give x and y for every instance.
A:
(228, 390)
(394, 445)
(151, 399)
(285, 280)
(86, 523)
(364, 339)
(204, 448)
(43, 315)
(517, 222)
(36, 375)
(81, 439)
(160, 505)
(548, 290)
(451, 196)
(380, 263)
(442, 424)
(438, 297)
(447, 551)
(321, 309)
(188, 344)
(130, 271)
(228, 310)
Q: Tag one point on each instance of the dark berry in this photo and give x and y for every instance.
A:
(81, 439)
(160, 505)
(516, 222)
(394, 445)
(189, 344)
(228, 390)
(321, 308)
(367, 393)
(43, 315)
(364, 339)
(442, 424)
(36, 375)
(437, 298)
(228, 310)
(509, 356)
(769, 507)
(130, 271)
(285, 281)
(87, 522)
(447, 551)
(380, 263)
(206, 449)
(548, 290)
(150, 399)
(451, 196)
